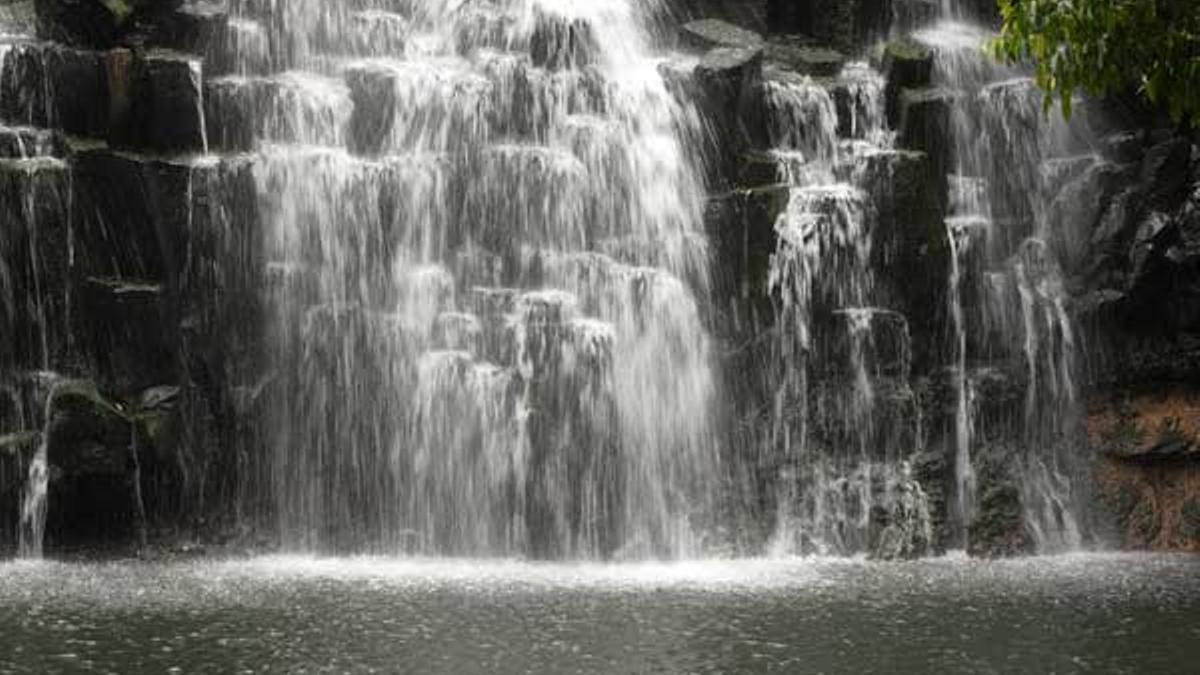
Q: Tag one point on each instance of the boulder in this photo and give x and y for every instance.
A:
(707, 34)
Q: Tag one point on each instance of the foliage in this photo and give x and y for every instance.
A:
(1102, 46)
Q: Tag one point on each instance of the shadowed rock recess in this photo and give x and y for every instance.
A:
(614, 279)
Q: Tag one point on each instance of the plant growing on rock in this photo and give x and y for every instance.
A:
(1103, 46)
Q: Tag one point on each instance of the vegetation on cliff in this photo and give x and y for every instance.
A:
(1103, 46)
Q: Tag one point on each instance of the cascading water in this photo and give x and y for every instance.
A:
(482, 225)
(843, 362)
(1005, 288)
(455, 247)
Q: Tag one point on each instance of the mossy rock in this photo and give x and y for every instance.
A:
(1190, 521)
(998, 530)
(1143, 523)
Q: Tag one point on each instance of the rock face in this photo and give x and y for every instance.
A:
(1149, 473)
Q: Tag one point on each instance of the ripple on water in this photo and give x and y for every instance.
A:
(1071, 613)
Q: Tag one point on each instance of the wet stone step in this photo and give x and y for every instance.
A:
(154, 218)
(291, 107)
(925, 123)
(129, 340)
(535, 194)
(457, 331)
(874, 341)
(247, 50)
(430, 105)
(47, 85)
(156, 101)
(30, 142)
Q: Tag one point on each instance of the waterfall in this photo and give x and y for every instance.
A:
(844, 414)
(34, 502)
(1005, 286)
(488, 280)
(435, 277)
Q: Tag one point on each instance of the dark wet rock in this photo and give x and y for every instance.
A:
(804, 59)
(1123, 147)
(906, 65)
(1166, 170)
(726, 80)
(707, 34)
(167, 111)
(830, 22)
(373, 91)
(78, 91)
(912, 15)
(35, 260)
(199, 27)
(128, 339)
(100, 24)
(895, 531)
(88, 23)
(932, 470)
(1078, 208)
(759, 169)
(1099, 310)
(133, 215)
(1164, 280)
(34, 84)
(1112, 237)
(120, 74)
(911, 248)
(925, 124)
(95, 487)
(998, 530)
(741, 225)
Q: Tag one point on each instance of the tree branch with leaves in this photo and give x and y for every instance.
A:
(1103, 46)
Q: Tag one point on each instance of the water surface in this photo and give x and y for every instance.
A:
(1071, 614)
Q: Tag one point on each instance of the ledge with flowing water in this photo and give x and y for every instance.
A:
(543, 279)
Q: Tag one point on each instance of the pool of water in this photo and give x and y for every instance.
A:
(1071, 614)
